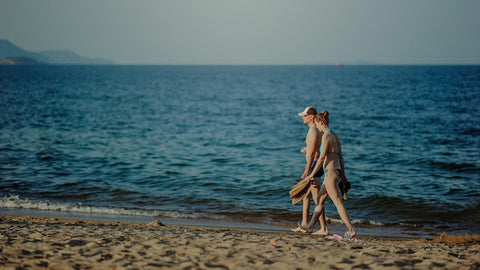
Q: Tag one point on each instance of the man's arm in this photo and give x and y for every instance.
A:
(310, 142)
(321, 159)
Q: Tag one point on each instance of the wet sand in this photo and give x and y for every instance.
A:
(29, 242)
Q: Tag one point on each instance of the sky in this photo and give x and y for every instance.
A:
(249, 32)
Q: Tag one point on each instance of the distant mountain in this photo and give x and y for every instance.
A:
(54, 57)
(19, 60)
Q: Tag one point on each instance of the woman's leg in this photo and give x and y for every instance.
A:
(319, 210)
(332, 190)
(323, 224)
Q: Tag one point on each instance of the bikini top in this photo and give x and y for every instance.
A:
(337, 163)
(331, 153)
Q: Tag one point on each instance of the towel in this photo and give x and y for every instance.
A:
(299, 190)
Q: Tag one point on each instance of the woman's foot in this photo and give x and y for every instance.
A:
(321, 233)
(305, 230)
(350, 234)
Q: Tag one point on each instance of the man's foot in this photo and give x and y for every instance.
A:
(321, 233)
(299, 228)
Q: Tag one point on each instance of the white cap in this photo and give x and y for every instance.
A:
(308, 110)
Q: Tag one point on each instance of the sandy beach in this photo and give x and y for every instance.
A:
(28, 242)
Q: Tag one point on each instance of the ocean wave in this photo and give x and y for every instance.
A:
(267, 217)
(471, 131)
(448, 166)
(404, 211)
(15, 202)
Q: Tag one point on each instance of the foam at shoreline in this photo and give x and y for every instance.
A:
(371, 231)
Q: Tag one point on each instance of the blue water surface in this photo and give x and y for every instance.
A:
(223, 142)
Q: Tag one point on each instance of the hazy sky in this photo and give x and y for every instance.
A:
(249, 31)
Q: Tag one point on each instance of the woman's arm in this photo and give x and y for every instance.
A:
(340, 153)
(321, 159)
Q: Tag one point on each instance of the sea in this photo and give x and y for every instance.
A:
(220, 145)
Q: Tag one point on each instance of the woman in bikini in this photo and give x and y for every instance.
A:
(331, 161)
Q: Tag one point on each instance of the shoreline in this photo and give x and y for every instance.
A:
(59, 243)
(393, 232)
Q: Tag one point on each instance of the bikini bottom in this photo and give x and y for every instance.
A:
(323, 189)
(342, 186)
